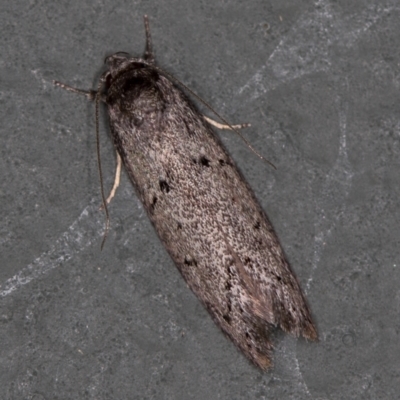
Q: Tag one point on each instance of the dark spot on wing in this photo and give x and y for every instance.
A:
(205, 161)
(165, 188)
(153, 204)
(189, 261)
(227, 318)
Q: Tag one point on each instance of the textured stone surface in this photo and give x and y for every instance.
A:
(319, 81)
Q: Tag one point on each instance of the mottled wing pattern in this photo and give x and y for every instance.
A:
(206, 214)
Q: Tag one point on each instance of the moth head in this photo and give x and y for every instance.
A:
(120, 61)
(116, 62)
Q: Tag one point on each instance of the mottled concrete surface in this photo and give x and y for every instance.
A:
(319, 81)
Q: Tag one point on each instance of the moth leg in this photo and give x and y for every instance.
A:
(90, 94)
(116, 179)
(235, 128)
(225, 126)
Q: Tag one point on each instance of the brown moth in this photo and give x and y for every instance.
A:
(204, 212)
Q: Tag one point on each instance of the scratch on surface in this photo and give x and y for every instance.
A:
(333, 193)
(301, 380)
(37, 73)
(292, 365)
(307, 48)
(81, 234)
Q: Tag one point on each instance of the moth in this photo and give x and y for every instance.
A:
(204, 212)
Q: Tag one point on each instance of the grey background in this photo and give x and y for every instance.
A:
(319, 81)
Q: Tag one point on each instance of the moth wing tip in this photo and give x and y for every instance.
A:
(310, 332)
(263, 362)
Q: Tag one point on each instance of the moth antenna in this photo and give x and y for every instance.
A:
(148, 54)
(103, 197)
